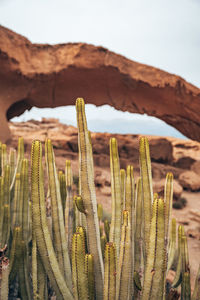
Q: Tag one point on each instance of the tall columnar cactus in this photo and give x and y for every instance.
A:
(110, 272)
(155, 262)
(138, 248)
(172, 245)
(87, 191)
(123, 185)
(132, 264)
(168, 198)
(115, 227)
(124, 274)
(147, 190)
(79, 277)
(40, 227)
(89, 270)
(69, 207)
(59, 238)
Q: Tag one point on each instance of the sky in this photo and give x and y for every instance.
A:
(164, 34)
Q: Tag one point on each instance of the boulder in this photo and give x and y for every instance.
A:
(190, 180)
(196, 167)
(158, 187)
(161, 150)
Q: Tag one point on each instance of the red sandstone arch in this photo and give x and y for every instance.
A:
(50, 76)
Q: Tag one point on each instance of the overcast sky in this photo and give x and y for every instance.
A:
(161, 33)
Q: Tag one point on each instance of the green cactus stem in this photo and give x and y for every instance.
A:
(123, 186)
(115, 227)
(87, 191)
(168, 198)
(58, 228)
(79, 204)
(40, 227)
(69, 210)
(89, 270)
(147, 191)
(107, 229)
(4, 159)
(79, 278)
(138, 253)
(110, 272)
(63, 190)
(155, 265)
(129, 206)
(24, 271)
(12, 162)
(172, 245)
(15, 206)
(185, 287)
(1, 208)
(15, 253)
(124, 274)
(103, 244)
(100, 211)
(25, 198)
(20, 156)
(181, 258)
(81, 230)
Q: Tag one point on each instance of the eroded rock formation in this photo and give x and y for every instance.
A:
(50, 76)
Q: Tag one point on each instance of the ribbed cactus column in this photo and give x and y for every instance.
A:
(168, 198)
(147, 190)
(69, 212)
(79, 277)
(115, 227)
(110, 272)
(138, 253)
(123, 283)
(40, 227)
(155, 264)
(58, 228)
(86, 177)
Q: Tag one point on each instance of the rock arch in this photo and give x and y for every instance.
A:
(55, 75)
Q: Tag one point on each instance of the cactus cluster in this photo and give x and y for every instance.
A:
(55, 242)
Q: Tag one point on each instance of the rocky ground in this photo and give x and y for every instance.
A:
(181, 157)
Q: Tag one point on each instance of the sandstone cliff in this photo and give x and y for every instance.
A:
(55, 75)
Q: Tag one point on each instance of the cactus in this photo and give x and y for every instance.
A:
(40, 227)
(59, 238)
(110, 272)
(87, 191)
(115, 226)
(147, 191)
(79, 277)
(69, 211)
(74, 250)
(124, 274)
(89, 270)
(155, 263)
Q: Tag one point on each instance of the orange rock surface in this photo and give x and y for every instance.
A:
(55, 75)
